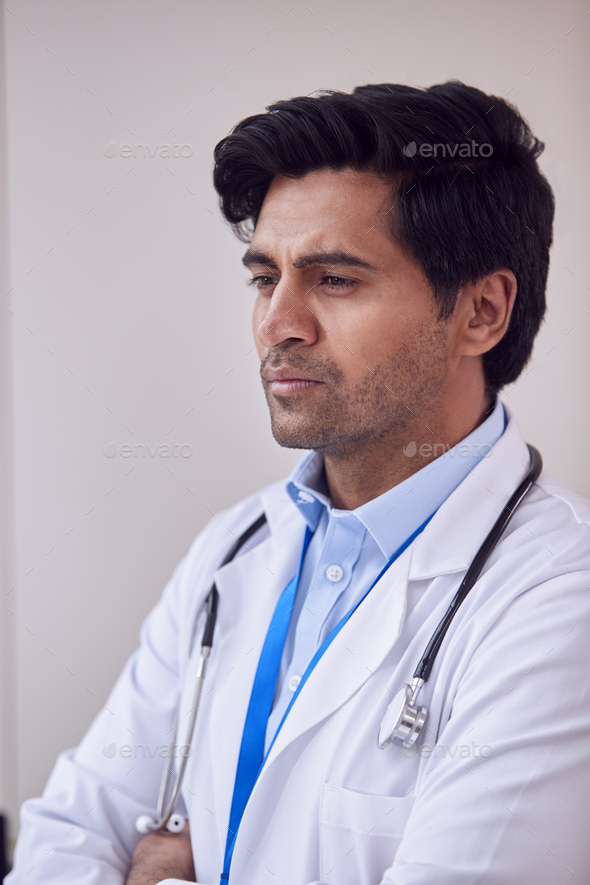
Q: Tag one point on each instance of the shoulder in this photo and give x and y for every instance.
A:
(570, 506)
(224, 528)
(553, 525)
(193, 577)
(537, 581)
(553, 506)
(527, 619)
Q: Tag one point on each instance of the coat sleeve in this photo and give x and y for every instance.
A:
(82, 830)
(505, 792)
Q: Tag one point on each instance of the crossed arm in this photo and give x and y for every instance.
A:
(162, 855)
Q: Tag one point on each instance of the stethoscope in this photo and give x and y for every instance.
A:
(403, 720)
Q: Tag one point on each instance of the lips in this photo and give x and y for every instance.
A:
(286, 374)
(285, 380)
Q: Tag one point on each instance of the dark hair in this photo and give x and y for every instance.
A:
(462, 213)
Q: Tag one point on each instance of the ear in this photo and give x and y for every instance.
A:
(483, 311)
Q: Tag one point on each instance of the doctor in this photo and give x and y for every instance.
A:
(395, 293)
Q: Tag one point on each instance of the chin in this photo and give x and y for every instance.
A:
(293, 440)
(296, 434)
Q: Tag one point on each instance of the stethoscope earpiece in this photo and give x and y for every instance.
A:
(404, 719)
(146, 824)
(176, 824)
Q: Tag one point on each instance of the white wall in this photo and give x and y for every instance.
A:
(8, 775)
(131, 320)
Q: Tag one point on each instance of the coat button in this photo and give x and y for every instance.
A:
(334, 573)
(294, 683)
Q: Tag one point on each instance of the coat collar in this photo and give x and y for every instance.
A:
(455, 533)
(393, 515)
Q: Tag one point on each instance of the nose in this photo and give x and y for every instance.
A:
(284, 317)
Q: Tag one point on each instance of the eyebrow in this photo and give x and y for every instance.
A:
(332, 259)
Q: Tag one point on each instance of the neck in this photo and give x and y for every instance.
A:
(370, 471)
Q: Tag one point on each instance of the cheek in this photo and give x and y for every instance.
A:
(370, 336)
(375, 341)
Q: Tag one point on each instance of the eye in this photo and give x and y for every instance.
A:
(264, 281)
(261, 281)
(340, 283)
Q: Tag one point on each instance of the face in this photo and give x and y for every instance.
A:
(344, 320)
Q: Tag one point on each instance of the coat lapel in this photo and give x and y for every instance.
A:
(353, 656)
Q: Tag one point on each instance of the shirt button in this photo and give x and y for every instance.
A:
(334, 573)
(294, 683)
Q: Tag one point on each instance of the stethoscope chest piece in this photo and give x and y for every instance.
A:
(404, 719)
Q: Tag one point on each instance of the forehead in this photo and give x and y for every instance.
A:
(326, 208)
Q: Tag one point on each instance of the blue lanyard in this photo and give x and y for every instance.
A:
(251, 757)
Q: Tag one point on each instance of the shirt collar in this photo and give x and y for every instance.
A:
(394, 515)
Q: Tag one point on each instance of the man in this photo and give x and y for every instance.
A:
(398, 245)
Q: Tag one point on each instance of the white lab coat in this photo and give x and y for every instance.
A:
(505, 798)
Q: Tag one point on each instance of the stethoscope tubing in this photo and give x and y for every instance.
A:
(165, 815)
(424, 668)
(165, 810)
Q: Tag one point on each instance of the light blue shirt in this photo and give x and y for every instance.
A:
(350, 547)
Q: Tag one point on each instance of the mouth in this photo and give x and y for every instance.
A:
(288, 381)
(292, 385)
